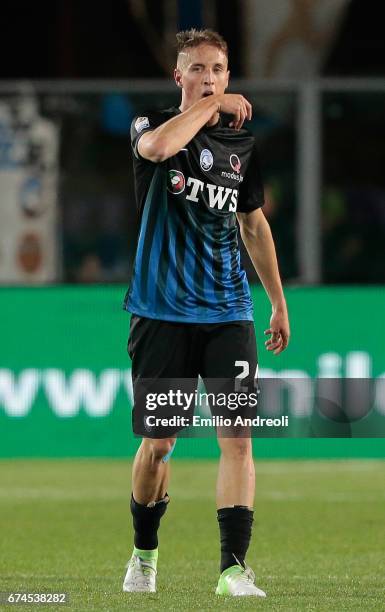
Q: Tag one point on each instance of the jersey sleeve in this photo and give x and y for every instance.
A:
(142, 124)
(251, 194)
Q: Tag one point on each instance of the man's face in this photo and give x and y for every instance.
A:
(201, 71)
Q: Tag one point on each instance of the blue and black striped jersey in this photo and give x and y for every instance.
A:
(187, 262)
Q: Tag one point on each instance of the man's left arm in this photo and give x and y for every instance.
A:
(258, 240)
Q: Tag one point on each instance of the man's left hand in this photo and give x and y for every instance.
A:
(279, 331)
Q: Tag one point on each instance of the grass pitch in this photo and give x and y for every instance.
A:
(318, 541)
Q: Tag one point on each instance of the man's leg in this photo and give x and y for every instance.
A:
(149, 498)
(230, 365)
(150, 476)
(162, 353)
(236, 473)
(235, 498)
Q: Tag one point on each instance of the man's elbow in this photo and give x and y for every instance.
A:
(249, 232)
(254, 232)
(154, 149)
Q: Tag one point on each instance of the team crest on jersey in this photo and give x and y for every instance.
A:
(235, 162)
(141, 123)
(176, 181)
(206, 160)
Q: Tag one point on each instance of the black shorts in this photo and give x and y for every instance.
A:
(170, 356)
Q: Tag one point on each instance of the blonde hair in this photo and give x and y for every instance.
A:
(193, 38)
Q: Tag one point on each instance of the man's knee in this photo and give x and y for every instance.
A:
(159, 448)
(236, 448)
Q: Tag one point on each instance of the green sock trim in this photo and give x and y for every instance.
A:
(147, 555)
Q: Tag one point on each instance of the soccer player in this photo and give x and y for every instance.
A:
(196, 172)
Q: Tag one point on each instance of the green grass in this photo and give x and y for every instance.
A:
(318, 540)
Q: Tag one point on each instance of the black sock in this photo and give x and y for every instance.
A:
(235, 533)
(146, 521)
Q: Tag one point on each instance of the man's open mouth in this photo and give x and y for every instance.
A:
(207, 93)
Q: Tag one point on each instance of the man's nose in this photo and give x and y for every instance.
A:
(208, 77)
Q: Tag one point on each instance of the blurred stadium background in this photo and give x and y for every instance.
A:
(75, 75)
(314, 73)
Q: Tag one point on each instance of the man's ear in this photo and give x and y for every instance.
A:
(178, 77)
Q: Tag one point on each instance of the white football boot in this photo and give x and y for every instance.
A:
(140, 576)
(238, 581)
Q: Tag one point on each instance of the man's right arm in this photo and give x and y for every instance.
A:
(166, 140)
(170, 137)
